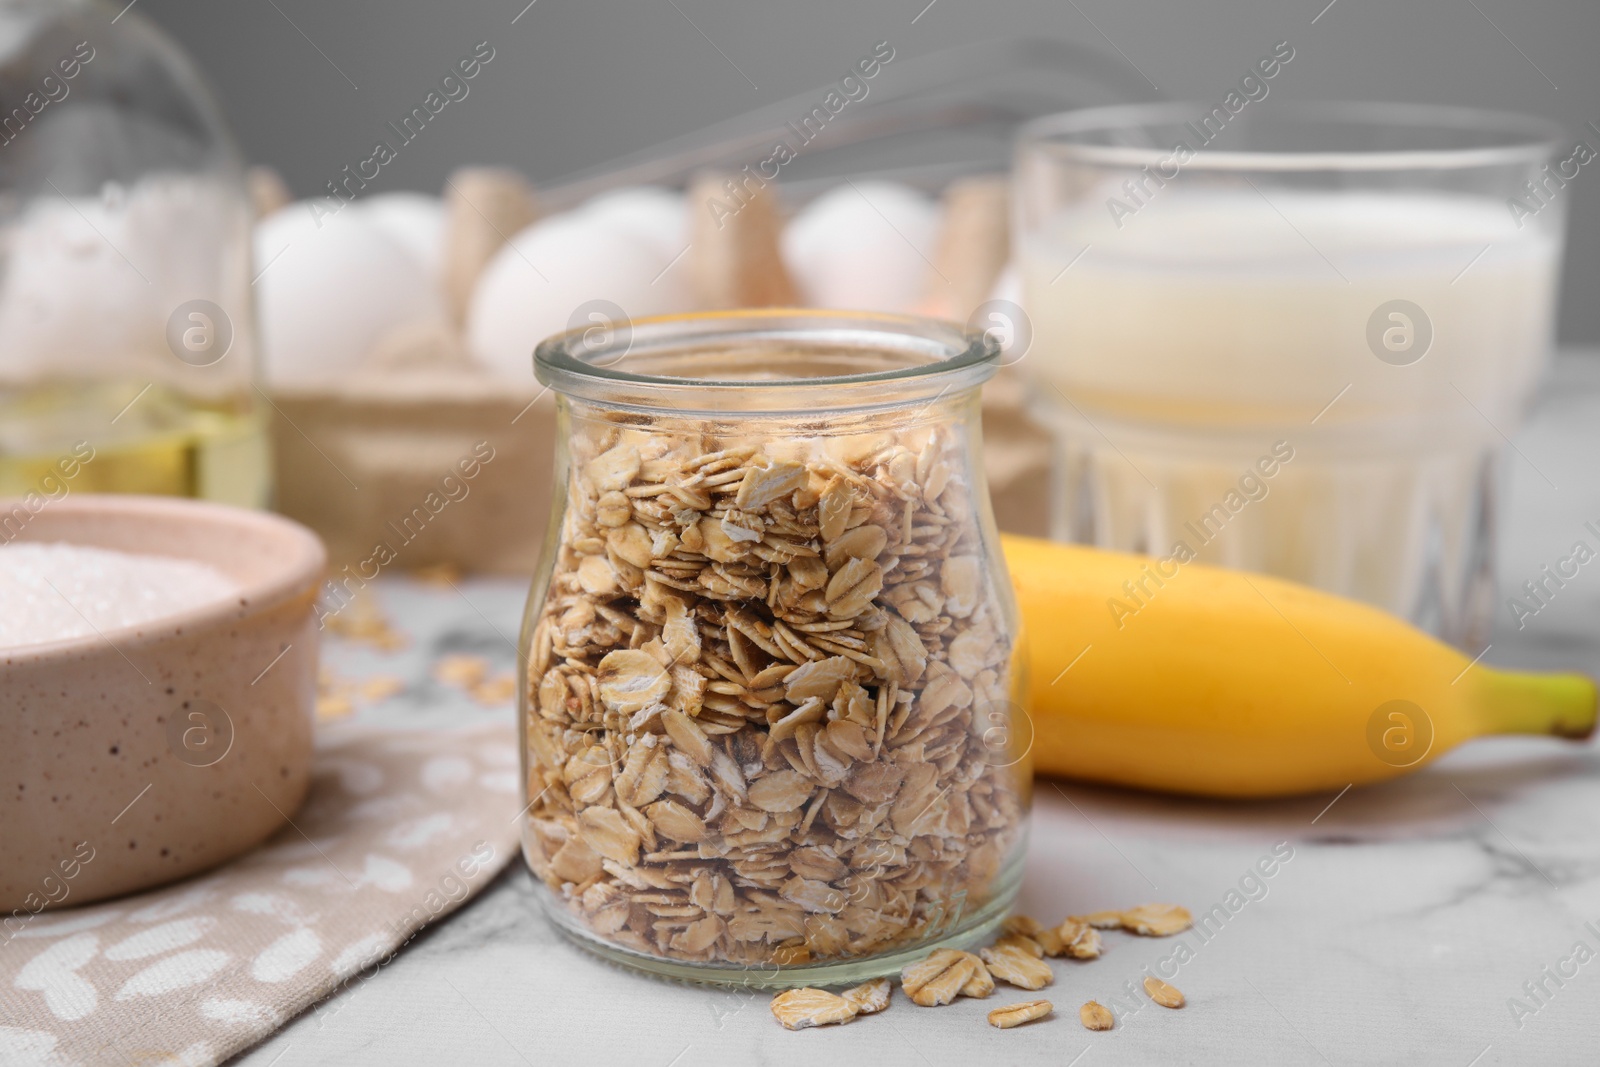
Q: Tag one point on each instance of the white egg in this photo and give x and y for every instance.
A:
(329, 288)
(650, 212)
(863, 245)
(413, 220)
(70, 298)
(92, 281)
(547, 278)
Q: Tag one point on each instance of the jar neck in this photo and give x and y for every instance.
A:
(953, 407)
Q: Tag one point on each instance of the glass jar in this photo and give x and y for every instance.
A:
(771, 691)
(126, 326)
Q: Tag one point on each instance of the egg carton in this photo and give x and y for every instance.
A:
(884, 189)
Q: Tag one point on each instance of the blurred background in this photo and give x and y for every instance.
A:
(309, 87)
(528, 166)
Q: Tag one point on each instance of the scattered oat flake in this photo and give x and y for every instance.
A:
(1148, 920)
(1050, 942)
(1163, 993)
(1025, 943)
(939, 978)
(444, 573)
(1157, 920)
(1077, 939)
(1096, 1016)
(798, 1009)
(981, 984)
(496, 690)
(1014, 964)
(334, 707)
(463, 670)
(363, 620)
(1022, 1012)
(1026, 925)
(869, 998)
(381, 687)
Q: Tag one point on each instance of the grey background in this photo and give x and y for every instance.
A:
(309, 85)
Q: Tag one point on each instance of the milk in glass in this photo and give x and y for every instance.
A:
(1370, 349)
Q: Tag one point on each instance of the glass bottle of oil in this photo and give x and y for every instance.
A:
(127, 335)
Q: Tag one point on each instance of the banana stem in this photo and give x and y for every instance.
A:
(1526, 702)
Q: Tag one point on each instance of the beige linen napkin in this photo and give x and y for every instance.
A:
(400, 827)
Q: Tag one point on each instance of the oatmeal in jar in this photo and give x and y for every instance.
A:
(771, 661)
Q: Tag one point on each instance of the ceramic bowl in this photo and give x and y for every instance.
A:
(146, 753)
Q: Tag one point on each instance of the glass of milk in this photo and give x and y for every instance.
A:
(1292, 339)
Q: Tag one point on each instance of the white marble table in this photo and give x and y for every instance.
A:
(1407, 918)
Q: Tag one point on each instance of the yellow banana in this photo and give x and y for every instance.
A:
(1195, 679)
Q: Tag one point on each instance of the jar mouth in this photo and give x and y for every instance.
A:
(1296, 136)
(774, 360)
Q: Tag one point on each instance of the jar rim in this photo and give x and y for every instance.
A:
(921, 358)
